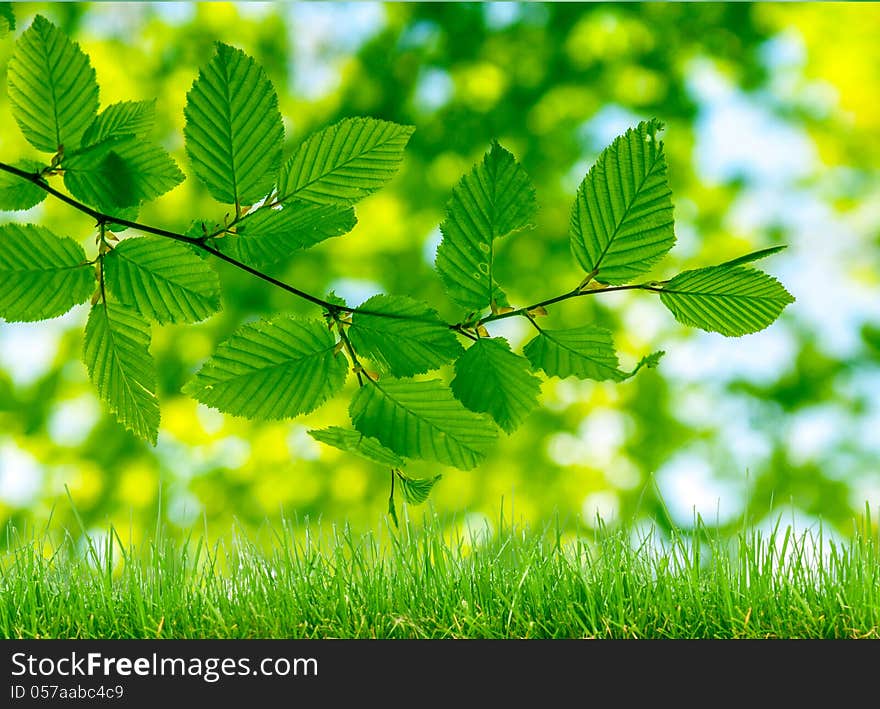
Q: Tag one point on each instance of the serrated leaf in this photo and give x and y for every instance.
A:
(7, 19)
(116, 352)
(410, 339)
(754, 256)
(233, 131)
(586, 352)
(41, 275)
(355, 442)
(162, 279)
(344, 162)
(18, 194)
(493, 200)
(621, 221)
(731, 300)
(490, 378)
(271, 370)
(52, 87)
(120, 172)
(422, 419)
(416, 490)
(135, 118)
(269, 235)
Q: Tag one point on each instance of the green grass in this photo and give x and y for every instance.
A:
(414, 584)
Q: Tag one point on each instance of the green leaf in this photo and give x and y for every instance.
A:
(421, 419)
(621, 221)
(116, 353)
(754, 256)
(271, 370)
(233, 129)
(586, 352)
(18, 194)
(416, 490)
(127, 118)
(731, 300)
(345, 162)
(269, 235)
(351, 441)
(410, 339)
(162, 279)
(493, 200)
(41, 275)
(51, 87)
(120, 172)
(7, 19)
(492, 379)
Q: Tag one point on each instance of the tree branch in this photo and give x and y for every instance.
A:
(200, 243)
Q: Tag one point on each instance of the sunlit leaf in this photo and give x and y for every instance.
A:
(491, 378)
(621, 221)
(233, 131)
(422, 419)
(41, 275)
(273, 369)
(116, 352)
(162, 279)
(51, 87)
(345, 162)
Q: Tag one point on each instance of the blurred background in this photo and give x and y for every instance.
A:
(773, 136)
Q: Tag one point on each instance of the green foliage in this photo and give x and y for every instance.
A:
(402, 335)
(621, 221)
(490, 378)
(120, 172)
(134, 118)
(495, 199)
(41, 275)
(731, 300)
(269, 235)
(416, 490)
(163, 280)
(586, 352)
(17, 194)
(271, 370)
(233, 128)
(116, 352)
(7, 19)
(52, 88)
(345, 162)
(355, 442)
(621, 225)
(422, 419)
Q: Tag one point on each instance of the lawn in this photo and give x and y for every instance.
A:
(302, 580)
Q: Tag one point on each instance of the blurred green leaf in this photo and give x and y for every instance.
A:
(416, 490)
